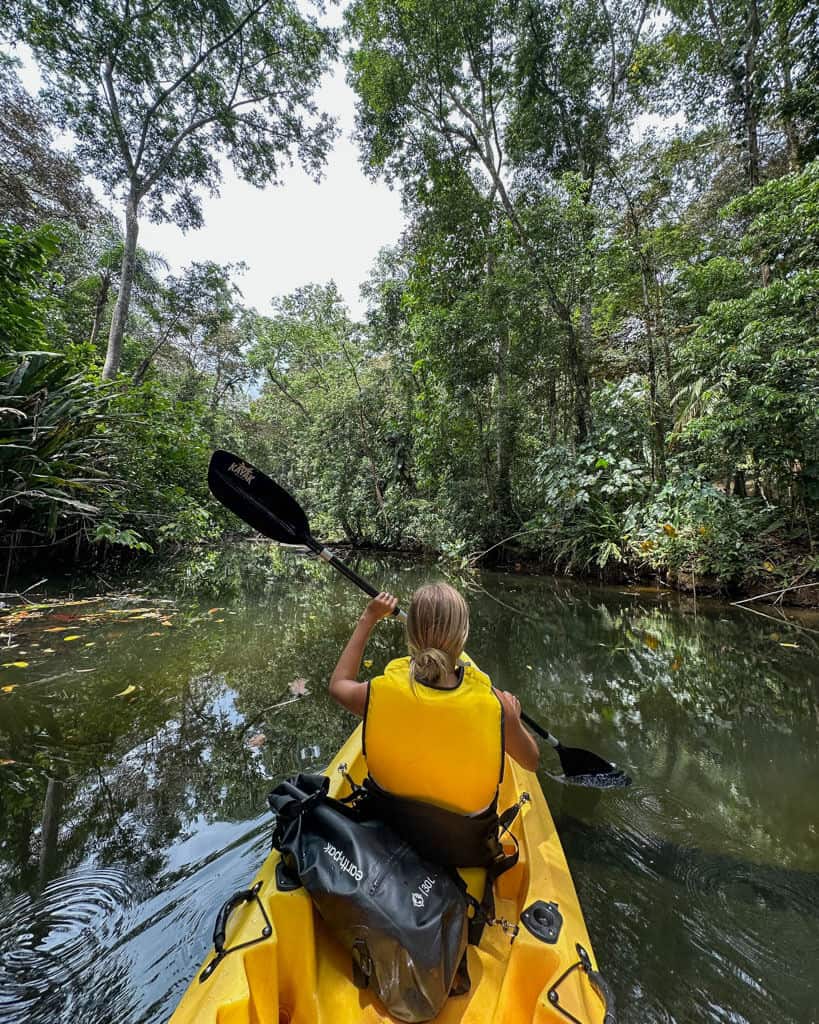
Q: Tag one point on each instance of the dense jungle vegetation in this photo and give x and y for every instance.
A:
(594, 347)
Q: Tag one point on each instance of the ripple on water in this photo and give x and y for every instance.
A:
(53, 938)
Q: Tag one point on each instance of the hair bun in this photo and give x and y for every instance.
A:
(431, 666)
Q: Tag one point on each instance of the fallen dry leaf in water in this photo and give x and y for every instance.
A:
(298, 687)
(218, 620)
(128, 690)
(93, 643)
(166, 622)
(788, 645)
(15, 664)
(7, 760)
(8, 689)
(213, 611)
(258, 740)
(74, 636)
(48, 650)
(158, 632)
(56, 629)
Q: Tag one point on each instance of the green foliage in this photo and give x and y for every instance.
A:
(24, 261)
(53, 452)
(598, 353)
(692, 527)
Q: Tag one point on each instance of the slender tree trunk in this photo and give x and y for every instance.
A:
(657, 428)
(113, 356)
(100, 304)
(505, 433)
(581, 384)
(750, 110)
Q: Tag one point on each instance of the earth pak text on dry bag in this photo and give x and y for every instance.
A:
(403, 920)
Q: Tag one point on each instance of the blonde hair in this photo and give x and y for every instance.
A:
(437, 628)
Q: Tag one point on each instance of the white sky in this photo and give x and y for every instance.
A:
(297, 233)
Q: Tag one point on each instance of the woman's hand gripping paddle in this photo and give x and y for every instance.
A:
(260, 502)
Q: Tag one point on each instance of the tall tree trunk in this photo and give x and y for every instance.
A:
(113, 356)
(100, 304)
(750, 97)
(581, 384)
(657, 428)
(505, 433)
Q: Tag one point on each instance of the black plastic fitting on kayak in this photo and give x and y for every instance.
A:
(543, 920)
(220, 927)
(286, 880)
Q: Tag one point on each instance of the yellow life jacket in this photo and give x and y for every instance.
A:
(441, 746)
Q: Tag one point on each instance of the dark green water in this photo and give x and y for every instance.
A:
(700, 883)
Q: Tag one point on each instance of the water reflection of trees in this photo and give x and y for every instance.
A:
(139, 773)
(715, 720)
(713, 717)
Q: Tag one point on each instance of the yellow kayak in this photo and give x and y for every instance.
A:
(539, 967)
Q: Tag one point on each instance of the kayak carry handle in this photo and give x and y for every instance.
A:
(220, 927)
(597, 982)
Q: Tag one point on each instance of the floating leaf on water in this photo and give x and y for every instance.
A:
(299, 687)
(56, 629)
(213, 611)
(48, 650)
(92, 643)
(166, 622)
(530, 668)
(74, 636)
(8, 689)
(157, 633)
(782, 644)
(368, 663)
(258, 740)
(127, 691)
(7, 760)
(15, 664)
(218, 620)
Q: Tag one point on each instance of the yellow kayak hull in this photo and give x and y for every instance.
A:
(301, 975)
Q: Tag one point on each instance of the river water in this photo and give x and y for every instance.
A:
(138, 740)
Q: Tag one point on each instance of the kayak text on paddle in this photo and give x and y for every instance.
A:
(243, 471)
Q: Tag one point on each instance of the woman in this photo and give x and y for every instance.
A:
(435, 729)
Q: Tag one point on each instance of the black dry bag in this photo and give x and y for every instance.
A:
(402, 919)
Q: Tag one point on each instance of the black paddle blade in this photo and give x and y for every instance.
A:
(576, 761)
(257, 499)
(585, 768)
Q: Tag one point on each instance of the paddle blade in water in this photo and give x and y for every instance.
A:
(257, 499)
(576, 761)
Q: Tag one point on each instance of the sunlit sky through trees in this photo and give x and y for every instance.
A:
(291, 235)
